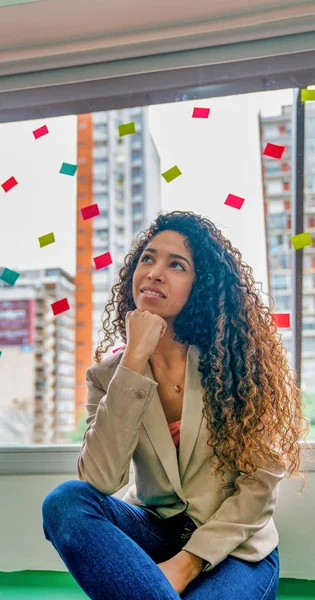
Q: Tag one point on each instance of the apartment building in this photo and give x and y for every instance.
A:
(122, 176)
(38, 358)
(277, 198)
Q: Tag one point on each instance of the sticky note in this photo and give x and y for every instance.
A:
(234, 201)
(307, 95)
(40, 132)
(60, 306)
(171, 174)
(44, 240)
(301, 240)
(282, 319)
(200, 113)
(0, 352)
(274, 150)
(90, 211)
(9, 184)
(68, 169)
(116, 350)
(9, 276)
(127, 129)
(103, 260)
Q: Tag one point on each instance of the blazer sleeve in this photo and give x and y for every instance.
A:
(241, 515)
(114, 418)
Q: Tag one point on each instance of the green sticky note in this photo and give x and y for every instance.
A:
(171, 174)
(307, 95)
(44, 240)
(301, 240)
(9, 276)
(127, 129)
(67, 169)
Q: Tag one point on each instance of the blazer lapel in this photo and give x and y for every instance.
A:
(157, 428)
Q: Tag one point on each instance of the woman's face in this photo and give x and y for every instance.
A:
(171, 275)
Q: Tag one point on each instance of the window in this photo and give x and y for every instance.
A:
(226, 164)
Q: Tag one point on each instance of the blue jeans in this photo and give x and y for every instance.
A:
(112, 550)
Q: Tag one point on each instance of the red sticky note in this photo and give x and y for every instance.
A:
(234, 201)
(90, 211)
(274, 150)
(9, 184)
(60, 306)
(116, 350)
(40, 132)
(103, 260)
(200, 113)
(282, 319)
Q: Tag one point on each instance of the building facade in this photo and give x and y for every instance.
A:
(122, 176)
(277, 198)
(38, 359)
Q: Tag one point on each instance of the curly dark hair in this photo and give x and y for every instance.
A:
(251, 401)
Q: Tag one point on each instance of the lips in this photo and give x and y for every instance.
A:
(151, 289)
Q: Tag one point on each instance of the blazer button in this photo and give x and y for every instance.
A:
(140, 394)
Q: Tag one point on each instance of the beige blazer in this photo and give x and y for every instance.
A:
(126, 422)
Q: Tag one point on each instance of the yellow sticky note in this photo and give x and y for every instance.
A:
(301, 240)
(307, 95)
(44, 240)
(171, 174)
(127, 129)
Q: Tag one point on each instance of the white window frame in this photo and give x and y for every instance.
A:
(225, 70)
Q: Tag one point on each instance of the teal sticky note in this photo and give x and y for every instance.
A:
(127, 129)
(171, 174)
(307, 95)
(68, 169)
(44, 240)
(301, 240)
(9, 276)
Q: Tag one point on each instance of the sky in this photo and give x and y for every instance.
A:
(217, 156)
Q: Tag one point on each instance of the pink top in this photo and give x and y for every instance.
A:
(175, 432)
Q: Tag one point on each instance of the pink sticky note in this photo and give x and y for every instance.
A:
(234, 201)
(40, 132)
(116, 349)
(274, 150)
(200, 113)
(281, 319)
(90, 211)
(60, 306)
(103, 260)
(9, 184)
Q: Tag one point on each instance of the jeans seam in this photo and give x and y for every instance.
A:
(269, 586)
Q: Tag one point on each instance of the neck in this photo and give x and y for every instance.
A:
(169, 353)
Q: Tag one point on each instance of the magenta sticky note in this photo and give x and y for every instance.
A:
(200, 113)
(103, 260)
(234, 201)
(9, 184)
(90, 211)
(281, 319)
(40, 132)
(60, 306)
(274, 150)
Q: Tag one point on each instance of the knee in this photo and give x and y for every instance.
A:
(61, 501)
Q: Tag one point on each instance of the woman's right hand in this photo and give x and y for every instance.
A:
(144, 331)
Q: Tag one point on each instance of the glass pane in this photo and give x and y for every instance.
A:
(221, 155)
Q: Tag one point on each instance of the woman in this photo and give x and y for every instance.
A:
(201, 357)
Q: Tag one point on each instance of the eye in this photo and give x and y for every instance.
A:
(175, 262)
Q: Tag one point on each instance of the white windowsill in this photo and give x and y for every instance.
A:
(45, 460)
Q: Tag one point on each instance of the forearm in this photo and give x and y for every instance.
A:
(189, 563)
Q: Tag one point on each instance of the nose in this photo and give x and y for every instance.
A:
(156, 273)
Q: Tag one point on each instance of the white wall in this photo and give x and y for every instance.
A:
(26, 548)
